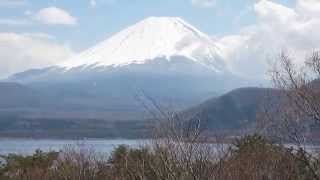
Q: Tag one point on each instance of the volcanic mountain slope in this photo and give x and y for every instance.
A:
(158, 45)
(14, 95)
(152, 38)
(163, 57)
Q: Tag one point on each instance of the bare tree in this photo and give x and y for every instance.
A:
(292, 116)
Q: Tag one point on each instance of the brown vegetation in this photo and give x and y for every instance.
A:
(252, 157)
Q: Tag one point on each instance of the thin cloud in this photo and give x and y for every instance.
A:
(20, 52)
(204, 3)
(92, 3)
(278, 27)
(55, 16)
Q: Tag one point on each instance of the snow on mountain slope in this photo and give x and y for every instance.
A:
(149, 39)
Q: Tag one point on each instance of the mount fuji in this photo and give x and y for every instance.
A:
(164, 58)
(152, 38)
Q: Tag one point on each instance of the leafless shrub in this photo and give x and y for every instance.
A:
(75, 162)
(291, 119)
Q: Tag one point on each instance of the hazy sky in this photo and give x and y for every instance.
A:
(38, 33)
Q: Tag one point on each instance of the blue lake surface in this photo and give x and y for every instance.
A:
(28, 146)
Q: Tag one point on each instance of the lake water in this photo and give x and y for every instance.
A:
(28, 146)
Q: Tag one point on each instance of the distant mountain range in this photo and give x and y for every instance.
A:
(24, 112)
(29, 113)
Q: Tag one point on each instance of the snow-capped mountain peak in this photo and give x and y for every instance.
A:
(148, 39)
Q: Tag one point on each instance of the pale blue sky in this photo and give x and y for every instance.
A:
(41, 33)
